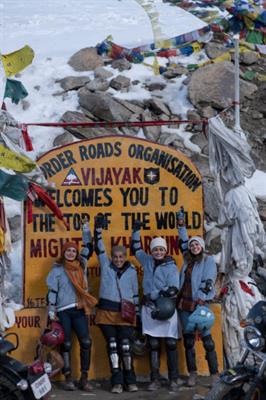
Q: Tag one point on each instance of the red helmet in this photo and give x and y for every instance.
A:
(54, 335)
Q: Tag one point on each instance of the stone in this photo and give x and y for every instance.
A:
(98, 84)
(211, 199)
(207, 86)
(102, 73)
(193, 115)
(132, 107)
(120, 82)
(15, 228)
(248, 57)
(25, 104)
(73, 82)
(103, 106)
(256, 115)
(159, 85)
(86, 59)
(175, 72)
(85, 132)
(122, 64)
(201, 141)
(157, 106)
(151, 132)
(208, 112)
(64, 138)
(215, 49)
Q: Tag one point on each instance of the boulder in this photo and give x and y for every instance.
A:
(215, 49)
(213, 85)
(211, 199)
(122, 64)
(103, 106)
(248, 57)
(64, 138)
(102, 73)
(157, 106)
(86, 59)
(73, 82)
(151, 132)
(98, 84)
(120, 82)
(86, 132)
(155, 85)
(174, 72)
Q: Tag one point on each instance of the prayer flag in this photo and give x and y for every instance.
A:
(17, 61)
(13, 186)
(15, 90)
(15, 161)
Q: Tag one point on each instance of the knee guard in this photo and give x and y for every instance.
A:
(189, 341)
(113, 353)
(66, 347)
(126, 354)
(85, 343)
(170, 344)
(208, 343)
(154, 343)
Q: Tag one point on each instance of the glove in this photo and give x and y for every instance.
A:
(136, 225)
(52, 315)
(99, 221)
(180, 215)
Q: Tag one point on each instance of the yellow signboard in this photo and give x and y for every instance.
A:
(124, 178)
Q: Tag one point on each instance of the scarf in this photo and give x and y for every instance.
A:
(74, 271)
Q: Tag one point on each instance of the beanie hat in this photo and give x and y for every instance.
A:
(158, 242)
(197, 239)
(67, 245)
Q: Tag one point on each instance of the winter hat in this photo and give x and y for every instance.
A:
(158, 242)
(197, 239)
(67, 245)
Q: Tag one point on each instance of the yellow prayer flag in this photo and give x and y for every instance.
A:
(17, 61)
(15, 161)
(224, 57)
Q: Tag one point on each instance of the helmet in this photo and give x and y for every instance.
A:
(54, 335)
(139, 344)
(164, 308)
(202, 318)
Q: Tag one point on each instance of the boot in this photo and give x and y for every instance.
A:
(192, 379)
(214, 379)
(154, 385)
(132, 387)
(84, 384)
(69, 384)
(174, 384)
(117, 389)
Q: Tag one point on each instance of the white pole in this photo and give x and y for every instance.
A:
(237, 96)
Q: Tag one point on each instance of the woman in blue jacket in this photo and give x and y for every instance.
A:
(118, 281)
(197, 281)
(161, 279)
(70, 302)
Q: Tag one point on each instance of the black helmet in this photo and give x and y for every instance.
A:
(139, 344)
(257, 316)
(164, 308)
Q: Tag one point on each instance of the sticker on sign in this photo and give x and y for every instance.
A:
(41, 387)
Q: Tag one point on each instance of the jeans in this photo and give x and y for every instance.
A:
(76, 319)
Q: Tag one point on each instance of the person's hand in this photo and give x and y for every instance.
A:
(99, 221)
(52, 316)
(136, 226)
(180, 217)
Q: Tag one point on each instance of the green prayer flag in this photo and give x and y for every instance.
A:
(15, 90)
(13, 186)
